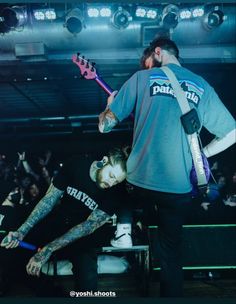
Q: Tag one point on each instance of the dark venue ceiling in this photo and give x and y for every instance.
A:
(41, 90)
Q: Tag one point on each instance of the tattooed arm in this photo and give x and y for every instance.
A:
(44, 206)
(96, 219)
(107, 121)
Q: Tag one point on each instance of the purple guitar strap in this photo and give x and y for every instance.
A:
(202, 172)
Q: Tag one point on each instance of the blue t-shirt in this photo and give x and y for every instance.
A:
(161, 159)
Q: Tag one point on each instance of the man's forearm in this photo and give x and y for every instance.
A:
(107, 121)
(44, 206)
(218, 145)
(94, 221)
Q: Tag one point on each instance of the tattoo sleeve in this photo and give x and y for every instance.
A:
(107, 121)
(44, 206)
(96, 219)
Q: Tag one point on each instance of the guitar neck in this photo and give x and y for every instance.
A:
(103, 85)
(107, 88)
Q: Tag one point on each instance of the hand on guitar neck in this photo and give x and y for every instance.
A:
(111, 98)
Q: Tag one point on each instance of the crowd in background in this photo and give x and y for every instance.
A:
(23, 184)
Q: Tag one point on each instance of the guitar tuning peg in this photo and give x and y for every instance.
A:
(85, 74)
(93, 63)
(92, 69)
(78, 54)
(83, 57)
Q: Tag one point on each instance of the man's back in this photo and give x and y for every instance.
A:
(160, 159)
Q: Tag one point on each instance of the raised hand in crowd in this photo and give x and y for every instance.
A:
(21, 156)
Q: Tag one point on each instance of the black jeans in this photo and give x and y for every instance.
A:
(171, 212)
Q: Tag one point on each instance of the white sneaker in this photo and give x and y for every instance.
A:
(122, 237)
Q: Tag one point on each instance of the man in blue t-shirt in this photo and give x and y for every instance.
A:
(160, 162)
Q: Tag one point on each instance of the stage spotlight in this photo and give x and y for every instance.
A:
(146, 12)
(121, 18)
(170, 16)
(44, 14)
(185, 14)
(39, 15)
(93, 12)
(151, 13)
(198, 12)
(74, 21)
(213, 19)
(140, 12)
(50, 14)
(14, 17)
(105, 12)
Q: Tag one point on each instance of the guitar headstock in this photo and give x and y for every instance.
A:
(87, 68)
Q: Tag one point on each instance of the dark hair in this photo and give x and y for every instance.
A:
(146, 54)
(163, 43)
(119, 156)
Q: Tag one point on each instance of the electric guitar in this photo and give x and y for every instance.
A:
(88, 71)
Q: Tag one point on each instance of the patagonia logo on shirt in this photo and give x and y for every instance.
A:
(160, 86)
(83, 197)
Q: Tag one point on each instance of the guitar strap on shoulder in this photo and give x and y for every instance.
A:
(192, 138)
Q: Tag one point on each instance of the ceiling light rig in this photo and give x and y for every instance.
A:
(94, 12)
(44, 14)
(170, 16)
(213, 18)
(121, 18)
(14, 17)
(146, 12)
(187, 13)
(74, 21)
(105, 12)
(198, 12)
